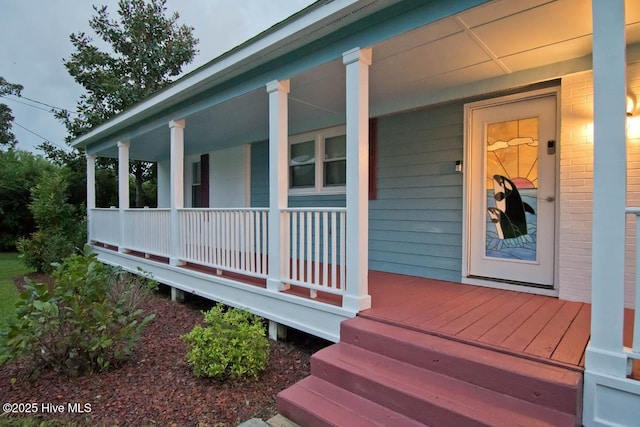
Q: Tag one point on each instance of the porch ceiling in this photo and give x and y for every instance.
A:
(448, 59)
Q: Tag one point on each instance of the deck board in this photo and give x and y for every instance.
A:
(456, 307)
(545, 343)
(530, 328)
(572, 348)
(507, 305)
(508, 325)
(539, 327)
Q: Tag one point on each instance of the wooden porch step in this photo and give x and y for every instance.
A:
(381, 374)
(315, 402)
(541, 383)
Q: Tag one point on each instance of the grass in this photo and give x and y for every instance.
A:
(10, 267)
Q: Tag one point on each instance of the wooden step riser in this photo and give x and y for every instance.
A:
(315, 403)
(396, 400)
(524, 379)
(426, 396)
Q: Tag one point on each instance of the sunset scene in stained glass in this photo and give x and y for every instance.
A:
(512, 151)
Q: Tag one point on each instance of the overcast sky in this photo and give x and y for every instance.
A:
(34, 39)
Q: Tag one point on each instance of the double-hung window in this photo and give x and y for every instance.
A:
(196, 184)
(318, 161)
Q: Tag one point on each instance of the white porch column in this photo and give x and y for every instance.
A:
(91, 191)
(123, 187)
(278, 178)
(605, 351)
(357, 296)
(177, 188)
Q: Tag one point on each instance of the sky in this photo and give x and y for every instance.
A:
(34, 40)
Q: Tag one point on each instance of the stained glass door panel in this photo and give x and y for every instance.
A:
(511, 187)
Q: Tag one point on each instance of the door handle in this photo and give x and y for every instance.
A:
(547, 199)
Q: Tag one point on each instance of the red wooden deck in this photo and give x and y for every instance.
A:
(533, 326)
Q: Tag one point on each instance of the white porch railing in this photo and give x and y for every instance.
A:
(104, 226)
(634, 352)
(315, 243)
(228, 239)
(147, 231)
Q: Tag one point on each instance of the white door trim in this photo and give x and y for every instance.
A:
(467, 191)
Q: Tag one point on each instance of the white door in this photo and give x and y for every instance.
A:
(511, 182)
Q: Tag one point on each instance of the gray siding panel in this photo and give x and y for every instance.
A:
(415, 226)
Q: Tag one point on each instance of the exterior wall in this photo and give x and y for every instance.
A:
(260, 184)
(416, 222)
(228, 178)
(164, 184)
(188, 179)
(415, 225)
(576, 186)
(259, 181)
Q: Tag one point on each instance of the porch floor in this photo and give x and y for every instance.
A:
(531, 326)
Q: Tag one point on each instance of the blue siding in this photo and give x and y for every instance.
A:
(260, 184)
(415, 226)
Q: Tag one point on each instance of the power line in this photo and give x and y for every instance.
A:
(28, 105)
(39, 136)
(40, 102)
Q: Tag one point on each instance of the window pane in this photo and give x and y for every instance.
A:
(302, 176)
(335, 148)
(196, 196)
(335, 173)
(196, 173)
(302, 153)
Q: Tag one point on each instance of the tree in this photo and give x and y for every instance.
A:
(7, 138)
(19, 172)
(148, 49)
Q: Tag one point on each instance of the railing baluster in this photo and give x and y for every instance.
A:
(316, 279)
(636, 316)
(334, 252)
(343, 251)
(325, 250)
(309, 257)
(294, 245)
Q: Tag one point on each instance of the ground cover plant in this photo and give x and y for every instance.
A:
(156, 386)
(89, 319)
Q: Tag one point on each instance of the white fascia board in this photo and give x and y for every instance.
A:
(223, 68)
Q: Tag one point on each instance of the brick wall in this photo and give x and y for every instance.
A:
(576, 186)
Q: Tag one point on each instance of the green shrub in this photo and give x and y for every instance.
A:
(232, 345)
(61, 226)
(89, 319)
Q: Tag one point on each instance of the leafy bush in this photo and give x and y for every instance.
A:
(233, 345)
(61, 226)
(19, 172)
(89, 319)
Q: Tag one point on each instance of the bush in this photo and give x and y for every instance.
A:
(19, 172)
(233, 345)
(61, 226)
(89, 319)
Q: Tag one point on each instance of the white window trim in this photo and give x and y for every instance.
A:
(318, 136)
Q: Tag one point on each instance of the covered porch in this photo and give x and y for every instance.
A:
(394, 80)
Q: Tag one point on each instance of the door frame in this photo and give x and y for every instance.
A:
(466, 191)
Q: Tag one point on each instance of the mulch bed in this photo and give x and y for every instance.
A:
(157, 387)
